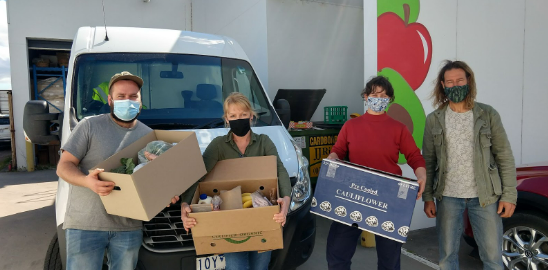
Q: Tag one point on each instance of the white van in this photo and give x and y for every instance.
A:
(187, 75)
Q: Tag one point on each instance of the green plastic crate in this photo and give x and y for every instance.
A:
(334, 114)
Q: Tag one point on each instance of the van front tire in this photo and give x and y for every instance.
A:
(53, 257)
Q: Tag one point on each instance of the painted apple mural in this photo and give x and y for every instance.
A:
(402, 8)
(406, 48)
(404, 54)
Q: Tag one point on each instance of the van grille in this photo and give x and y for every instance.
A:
(165, 232)
(4, 121)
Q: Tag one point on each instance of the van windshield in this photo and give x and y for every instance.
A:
(180, 91)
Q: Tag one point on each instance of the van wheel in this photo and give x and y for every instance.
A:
(53, 257)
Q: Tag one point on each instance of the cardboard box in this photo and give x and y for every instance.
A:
(366, 198)
(237, 230)
(300, 125)
(146, 192)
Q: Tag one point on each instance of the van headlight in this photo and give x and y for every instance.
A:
(301, 190)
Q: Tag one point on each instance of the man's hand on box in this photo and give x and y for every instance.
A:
(430, 209)
(174, 200)
(188, 222)
(92, 182)
(284, 208)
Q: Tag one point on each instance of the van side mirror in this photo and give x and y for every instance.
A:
(71, 114)
(284, 111)
(37, 122)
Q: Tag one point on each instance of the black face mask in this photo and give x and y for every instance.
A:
(240, 127)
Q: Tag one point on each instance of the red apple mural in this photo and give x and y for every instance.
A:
(404, 47)
(404, 54)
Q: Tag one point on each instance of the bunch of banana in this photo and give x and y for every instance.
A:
(246, 200)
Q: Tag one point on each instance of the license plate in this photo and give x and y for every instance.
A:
(215, 262)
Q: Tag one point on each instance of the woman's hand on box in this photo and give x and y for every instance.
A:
(422, 184)
(421, 180)
(284, 208)
(333, 156)
(188, 222)
(174, 200)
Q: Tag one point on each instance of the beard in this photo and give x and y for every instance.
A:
(120, 120)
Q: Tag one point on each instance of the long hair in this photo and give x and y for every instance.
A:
(438, 95)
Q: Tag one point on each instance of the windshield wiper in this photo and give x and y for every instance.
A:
(211, 124)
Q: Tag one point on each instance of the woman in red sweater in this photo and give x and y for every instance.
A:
(373, 140)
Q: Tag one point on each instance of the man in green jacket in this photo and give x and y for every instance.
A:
(469, 165)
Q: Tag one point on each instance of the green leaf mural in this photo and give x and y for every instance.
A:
(402, 8)
(404, 54)
(406, 108)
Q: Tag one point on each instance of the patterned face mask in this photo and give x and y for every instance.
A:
(456, 93)
(377, 104)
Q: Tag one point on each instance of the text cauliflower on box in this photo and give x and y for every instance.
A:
(372, 200)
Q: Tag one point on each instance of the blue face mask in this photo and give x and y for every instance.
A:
(126, 110)
(377, 104)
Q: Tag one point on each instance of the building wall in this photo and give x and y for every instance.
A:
(495, 52)
(314, 45)
(242, 20)
(59, 19)
(294, 44)
(535, 89)
(504, 42)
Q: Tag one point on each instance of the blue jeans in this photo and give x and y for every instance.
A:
(249, 260)
(341, 246)
(86, 249)
(486, 225)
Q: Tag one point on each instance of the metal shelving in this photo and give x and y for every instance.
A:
(59, 72)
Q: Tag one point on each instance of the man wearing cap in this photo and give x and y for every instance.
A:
(89, 229)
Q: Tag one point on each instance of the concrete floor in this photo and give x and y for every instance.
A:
(27, 222)
(27, 218)
(364, 258)
(425, 244)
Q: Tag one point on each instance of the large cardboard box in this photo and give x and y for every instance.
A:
(238, 230)
(146, 192)
(366, 198)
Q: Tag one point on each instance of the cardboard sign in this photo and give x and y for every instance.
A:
(146, 192)
(320, 148)
(249, 229)
(369, 199)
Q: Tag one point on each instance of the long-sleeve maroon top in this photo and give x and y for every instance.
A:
(375, 141)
